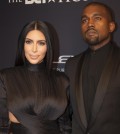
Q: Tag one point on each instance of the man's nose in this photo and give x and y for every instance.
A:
(91, 22)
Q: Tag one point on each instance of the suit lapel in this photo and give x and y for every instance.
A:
(79, 93)
(82, 106)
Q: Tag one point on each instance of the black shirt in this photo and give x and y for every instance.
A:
(93, 65)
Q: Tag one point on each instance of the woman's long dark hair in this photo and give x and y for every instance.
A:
(42, 27)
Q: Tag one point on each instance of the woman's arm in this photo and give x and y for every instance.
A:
(65, 122)
(4, 118)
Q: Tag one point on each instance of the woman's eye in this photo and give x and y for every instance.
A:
(28, 42)
(42, 43)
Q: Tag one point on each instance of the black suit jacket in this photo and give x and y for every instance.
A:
(105, 117)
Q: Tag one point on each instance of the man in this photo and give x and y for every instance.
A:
(95, 75)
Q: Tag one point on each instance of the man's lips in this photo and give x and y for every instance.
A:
(91, 32)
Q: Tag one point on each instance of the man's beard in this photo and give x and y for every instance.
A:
(96, 40)
(93, 42)
(93, 39)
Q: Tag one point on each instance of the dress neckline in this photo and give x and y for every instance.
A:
(35, 67)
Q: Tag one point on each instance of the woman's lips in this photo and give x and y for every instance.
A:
(33, 57)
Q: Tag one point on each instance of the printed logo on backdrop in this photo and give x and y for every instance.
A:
(61, 62)
(29, 2)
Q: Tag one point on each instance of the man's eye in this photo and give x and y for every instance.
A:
(98, 18)
(84, 21)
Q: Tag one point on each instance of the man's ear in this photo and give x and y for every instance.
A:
(112, 26)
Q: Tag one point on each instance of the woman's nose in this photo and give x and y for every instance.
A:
(34, 49)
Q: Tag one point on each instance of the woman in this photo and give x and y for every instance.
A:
(32, 93)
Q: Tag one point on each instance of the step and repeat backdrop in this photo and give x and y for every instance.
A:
(63, 18)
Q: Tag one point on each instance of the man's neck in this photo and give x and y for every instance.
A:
(98, 46)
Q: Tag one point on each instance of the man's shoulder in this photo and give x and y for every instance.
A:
(116, 49)
(74, 59)
(71, 64)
